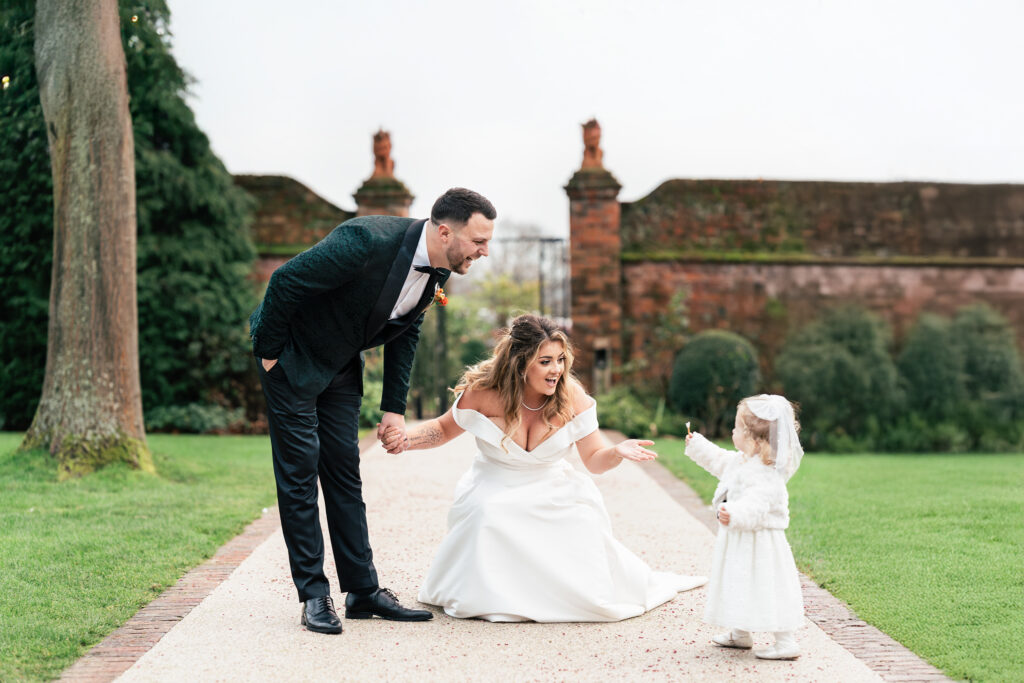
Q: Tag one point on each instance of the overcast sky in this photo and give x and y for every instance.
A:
(491, 95)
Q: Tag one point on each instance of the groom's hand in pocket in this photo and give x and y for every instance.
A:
(268, 363)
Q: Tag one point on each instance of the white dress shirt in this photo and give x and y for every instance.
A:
(415, 281)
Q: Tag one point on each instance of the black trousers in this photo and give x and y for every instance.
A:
(318, 439)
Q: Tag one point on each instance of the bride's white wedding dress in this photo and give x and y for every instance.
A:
(529, 538)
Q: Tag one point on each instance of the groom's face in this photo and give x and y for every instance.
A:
(466, 243)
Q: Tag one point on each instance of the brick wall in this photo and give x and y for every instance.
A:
(828, 219)
(765, 258)
(288, 213)
(288, 218)
(764, 302)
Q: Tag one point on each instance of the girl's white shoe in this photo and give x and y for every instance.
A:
(779, 652)
(741, 639)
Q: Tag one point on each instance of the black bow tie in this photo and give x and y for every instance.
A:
(430, 270)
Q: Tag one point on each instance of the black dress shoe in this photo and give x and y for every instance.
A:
(318, 615)
(384, 604)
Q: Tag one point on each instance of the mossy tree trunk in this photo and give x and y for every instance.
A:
(90, 412)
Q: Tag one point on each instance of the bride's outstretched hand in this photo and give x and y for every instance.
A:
(636, 450)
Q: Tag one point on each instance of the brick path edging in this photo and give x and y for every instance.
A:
(883, 655)
(122, 648)
(116, 653)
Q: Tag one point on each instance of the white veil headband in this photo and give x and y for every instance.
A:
(783, 437)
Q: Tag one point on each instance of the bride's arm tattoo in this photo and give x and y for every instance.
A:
(426, 435)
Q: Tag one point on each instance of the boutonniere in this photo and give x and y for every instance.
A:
(440, 297)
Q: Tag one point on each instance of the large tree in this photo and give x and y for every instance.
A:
(194, 251)
(90, 410)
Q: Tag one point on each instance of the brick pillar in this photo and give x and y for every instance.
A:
(596, 268)
(382, 194)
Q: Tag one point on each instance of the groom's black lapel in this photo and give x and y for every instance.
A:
(396, 278)
(393, 328)
(428, 292)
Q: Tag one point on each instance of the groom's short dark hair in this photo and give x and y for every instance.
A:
(459, 204)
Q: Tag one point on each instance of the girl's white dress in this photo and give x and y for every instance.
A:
(529, 538)
(754, 583)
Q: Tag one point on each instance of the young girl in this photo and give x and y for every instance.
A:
(754, 584)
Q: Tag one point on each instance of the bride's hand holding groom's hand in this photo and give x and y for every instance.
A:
(635, 450)
(394, 441)
(391, 432)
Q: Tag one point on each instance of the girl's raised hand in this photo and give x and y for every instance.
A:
(635, 450)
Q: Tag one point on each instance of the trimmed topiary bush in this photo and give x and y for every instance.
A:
(710, 375)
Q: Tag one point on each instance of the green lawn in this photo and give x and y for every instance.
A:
(79, 558)
(928, 548)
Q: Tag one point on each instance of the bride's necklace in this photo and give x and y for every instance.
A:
(523, 403)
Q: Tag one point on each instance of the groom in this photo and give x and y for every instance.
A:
(364, 285)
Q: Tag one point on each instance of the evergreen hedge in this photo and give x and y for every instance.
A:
(194, 252)
(955, 386)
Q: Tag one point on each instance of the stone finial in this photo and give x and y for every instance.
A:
(592, 153)
(383, 164)
(382, 194)
(592, 177)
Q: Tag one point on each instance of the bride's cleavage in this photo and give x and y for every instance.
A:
(532, 434)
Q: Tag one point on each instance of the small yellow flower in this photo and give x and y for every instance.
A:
(6, 82)
(135, 18)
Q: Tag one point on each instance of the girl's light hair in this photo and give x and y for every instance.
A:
(505, 371)
(759, 430)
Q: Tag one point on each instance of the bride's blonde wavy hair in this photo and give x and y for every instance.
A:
(505, 371)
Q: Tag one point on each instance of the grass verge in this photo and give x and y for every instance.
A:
(79, 558)
(928, 548)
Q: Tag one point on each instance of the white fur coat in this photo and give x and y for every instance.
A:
(754, 493)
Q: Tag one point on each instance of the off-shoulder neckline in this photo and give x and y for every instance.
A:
(492, 423)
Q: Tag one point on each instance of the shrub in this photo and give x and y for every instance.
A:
(910, 434)
(373, 388)
(932, 369)
(840, 372)
(621, 410)
(711, 374)
(991, 361)
(667, 421)
(369, 410)
(472, 352)
(195, 418)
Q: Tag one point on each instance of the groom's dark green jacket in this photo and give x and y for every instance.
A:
(326, 305)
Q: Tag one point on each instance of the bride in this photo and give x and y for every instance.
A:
(528, 535)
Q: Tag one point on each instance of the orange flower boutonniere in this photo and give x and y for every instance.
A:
(440, 297)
